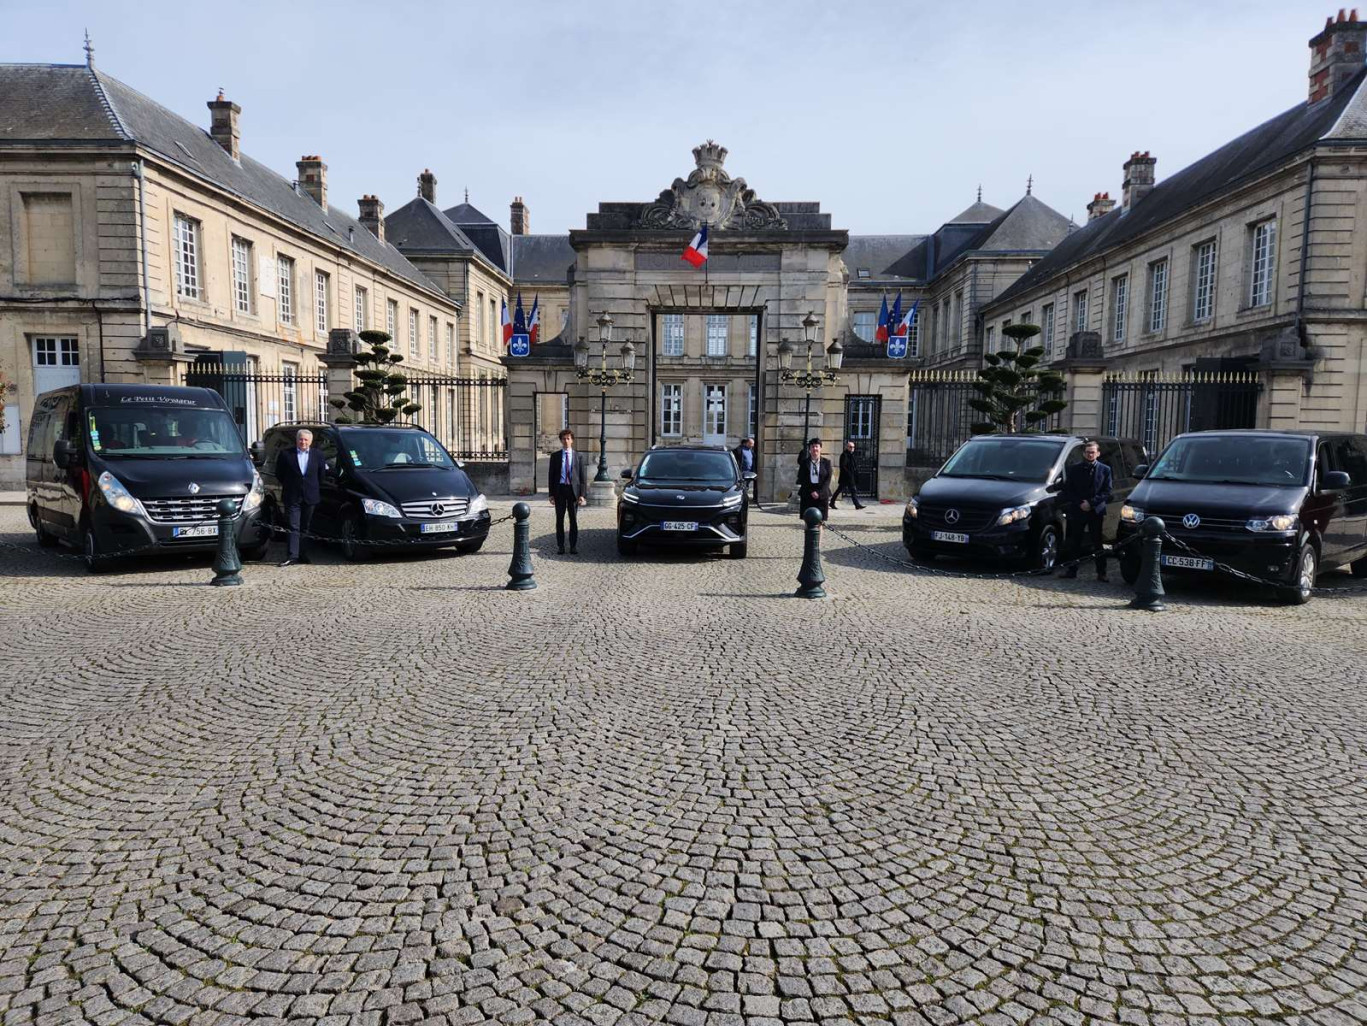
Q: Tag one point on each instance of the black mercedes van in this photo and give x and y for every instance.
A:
(997, 497)
(115, 468)
(1280, 505)
(382, 483)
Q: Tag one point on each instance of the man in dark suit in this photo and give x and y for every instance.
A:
(1086, 490)
(568, 482)
(814, 480)
(300, 473)
(847, 477)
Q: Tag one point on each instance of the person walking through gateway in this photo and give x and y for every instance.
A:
(814, 480)
(1086, 490)
(847, 482)
(745, 457)
(568, 483)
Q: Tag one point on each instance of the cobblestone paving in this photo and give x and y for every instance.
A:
(664, 792)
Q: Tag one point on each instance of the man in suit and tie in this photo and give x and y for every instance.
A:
(847, 472)
(814, 480)
(300, 473)
(1086, 490)
(568, 483)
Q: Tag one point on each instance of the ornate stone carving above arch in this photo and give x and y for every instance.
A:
(711, 196)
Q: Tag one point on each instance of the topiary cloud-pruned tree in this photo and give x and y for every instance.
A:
(1014, 392)
(381, 394)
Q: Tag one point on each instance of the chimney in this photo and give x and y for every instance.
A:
(372, 216)
(427, 186)
(1138, 179)
(1336, 54)
(518, 221)
(1101, 205)
(223, 127)
(313, 178)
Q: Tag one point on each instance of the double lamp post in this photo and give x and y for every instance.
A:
(604, 377)
(811, 378)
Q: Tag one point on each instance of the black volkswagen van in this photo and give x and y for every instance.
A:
(390, 483)
(1279, 505)
(116, 468)
(997, 497)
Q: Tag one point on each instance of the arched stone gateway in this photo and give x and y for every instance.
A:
(706, 339)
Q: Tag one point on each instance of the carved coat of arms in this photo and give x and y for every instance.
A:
(710, 196)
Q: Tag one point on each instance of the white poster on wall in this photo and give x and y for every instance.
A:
(9, 437)
(266, 277)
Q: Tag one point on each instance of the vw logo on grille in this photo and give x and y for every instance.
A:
(1191, 520)
(681, 497)
(194, 488)
(951, 516)
(437, 509)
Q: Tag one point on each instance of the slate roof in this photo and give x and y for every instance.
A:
(420, 225)
(542, 258)
(883, 256)
(1255, 152)
(50, 103)
(490, 239)
(465, 213)
(978, 213)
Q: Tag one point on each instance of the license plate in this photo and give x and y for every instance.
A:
(949, 536)
(1189, 562)
(680, 525)
(445, 528)
(202, 531)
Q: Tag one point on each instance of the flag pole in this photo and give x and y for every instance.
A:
(705, 268)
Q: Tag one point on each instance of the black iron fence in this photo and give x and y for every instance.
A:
(1154, 409)
(465, 414)
(940, 417)
(259, 401)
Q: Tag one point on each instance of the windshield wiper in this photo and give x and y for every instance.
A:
(410, 464)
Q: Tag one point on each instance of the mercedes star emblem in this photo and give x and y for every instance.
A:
(194, 488)
(951, 516)
(438, 509)
(1190, 521)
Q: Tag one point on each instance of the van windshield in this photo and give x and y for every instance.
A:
(1235, 459)
(391, 449)
(1005, 459)
(150, 432)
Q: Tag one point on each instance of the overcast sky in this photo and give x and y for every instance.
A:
(890, 114)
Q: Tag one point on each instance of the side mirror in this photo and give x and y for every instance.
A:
(1140, 470)
(64, 454)
(749, 475)
(257, 451)
(1334, 481)
(1055, 485)
(626, 474)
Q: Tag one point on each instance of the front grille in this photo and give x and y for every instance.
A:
(969, 519)
(437, 508)
(187, 510)
(1173, 522)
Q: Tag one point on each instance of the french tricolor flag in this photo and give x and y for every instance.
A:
(696, 253)
(507, 325)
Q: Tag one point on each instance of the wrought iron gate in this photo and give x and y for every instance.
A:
(465, 414)
(1155, 409)
(259, 401)
(862, 415)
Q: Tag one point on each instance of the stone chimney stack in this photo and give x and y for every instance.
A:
(372, 216)
(427, 186)
(1336, 54)
(518, 222)
(1101, 205)
(1138, 179)
(223, 127)
(313, 179)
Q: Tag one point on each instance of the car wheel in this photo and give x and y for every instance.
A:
(920, 554)
(1307, 564)
(737, 550)
(1046, 548)
(1359, 567)
(45, 540)
(625, 548)
(95, 560)
(1129, 568)
(255, 553)
(352, 547)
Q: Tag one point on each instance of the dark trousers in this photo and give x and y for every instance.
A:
(565, 502)
(823, 503)
(846, 488)
(300, 517)
(1084, 529)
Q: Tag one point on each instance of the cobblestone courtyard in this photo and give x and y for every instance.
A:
(662, 791)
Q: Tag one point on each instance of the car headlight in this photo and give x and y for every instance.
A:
(913, 507)
(629, 496)
(117, 495)
(479, 504)
(1280, 522)
(1131, 514)
(376, 508)
(1015, 514)
(254, 496)
(731, 500)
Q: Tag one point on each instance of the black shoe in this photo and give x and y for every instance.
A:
(1070, 573)
(834, 506)
(560, 549)
(858, 506)
(287, 562)
(1103, 578)
(303, 559)
(574, 551)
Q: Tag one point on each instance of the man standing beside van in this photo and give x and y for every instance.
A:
(568, 483)
(1086, 490)
(300, 473)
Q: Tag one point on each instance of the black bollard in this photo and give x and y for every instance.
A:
(520, 569)
(227, 564)
(810, 576)
(1148, 586)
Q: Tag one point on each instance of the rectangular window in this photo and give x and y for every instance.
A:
(957, 324)
(671, 410)
(494, 327)
(51, 231)
(865, 324)
(1120, 301)
(391, 318)
(450, 343)
(479, 318)
(1046, 316)
(716, 334)
(289, 392)
(1264, 255)
(914, 333)
(412, 332)
(362, 308)
(1158, 295)
(672, 328)
(186, 241)
(432, 339)
(752, 348)
(285, 283)
(242, 275)
(61, 351)
(1203, 282)
(752, 404)
(989, 338)
(1080, 310)
(714, 415)
(320, 300)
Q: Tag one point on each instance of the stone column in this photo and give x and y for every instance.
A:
(340, 361)
(161, 356)
(1286, 367)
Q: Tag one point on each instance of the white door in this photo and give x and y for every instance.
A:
(714, 415)
(56, 362)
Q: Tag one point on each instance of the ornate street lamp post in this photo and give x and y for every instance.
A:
(604, 377)
(809, 379)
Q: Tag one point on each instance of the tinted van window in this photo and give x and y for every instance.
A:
(1350, 456)
(1006, 459)
(1230, 459)
(712, 467)
(387, 449)
(1114, 458)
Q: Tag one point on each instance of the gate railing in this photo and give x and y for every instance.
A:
(1154, 409)
(940, 419)
(259, 401)
(465, 414)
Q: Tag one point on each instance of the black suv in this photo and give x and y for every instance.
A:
(383, 484)
(997, 497)
(688, 495)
